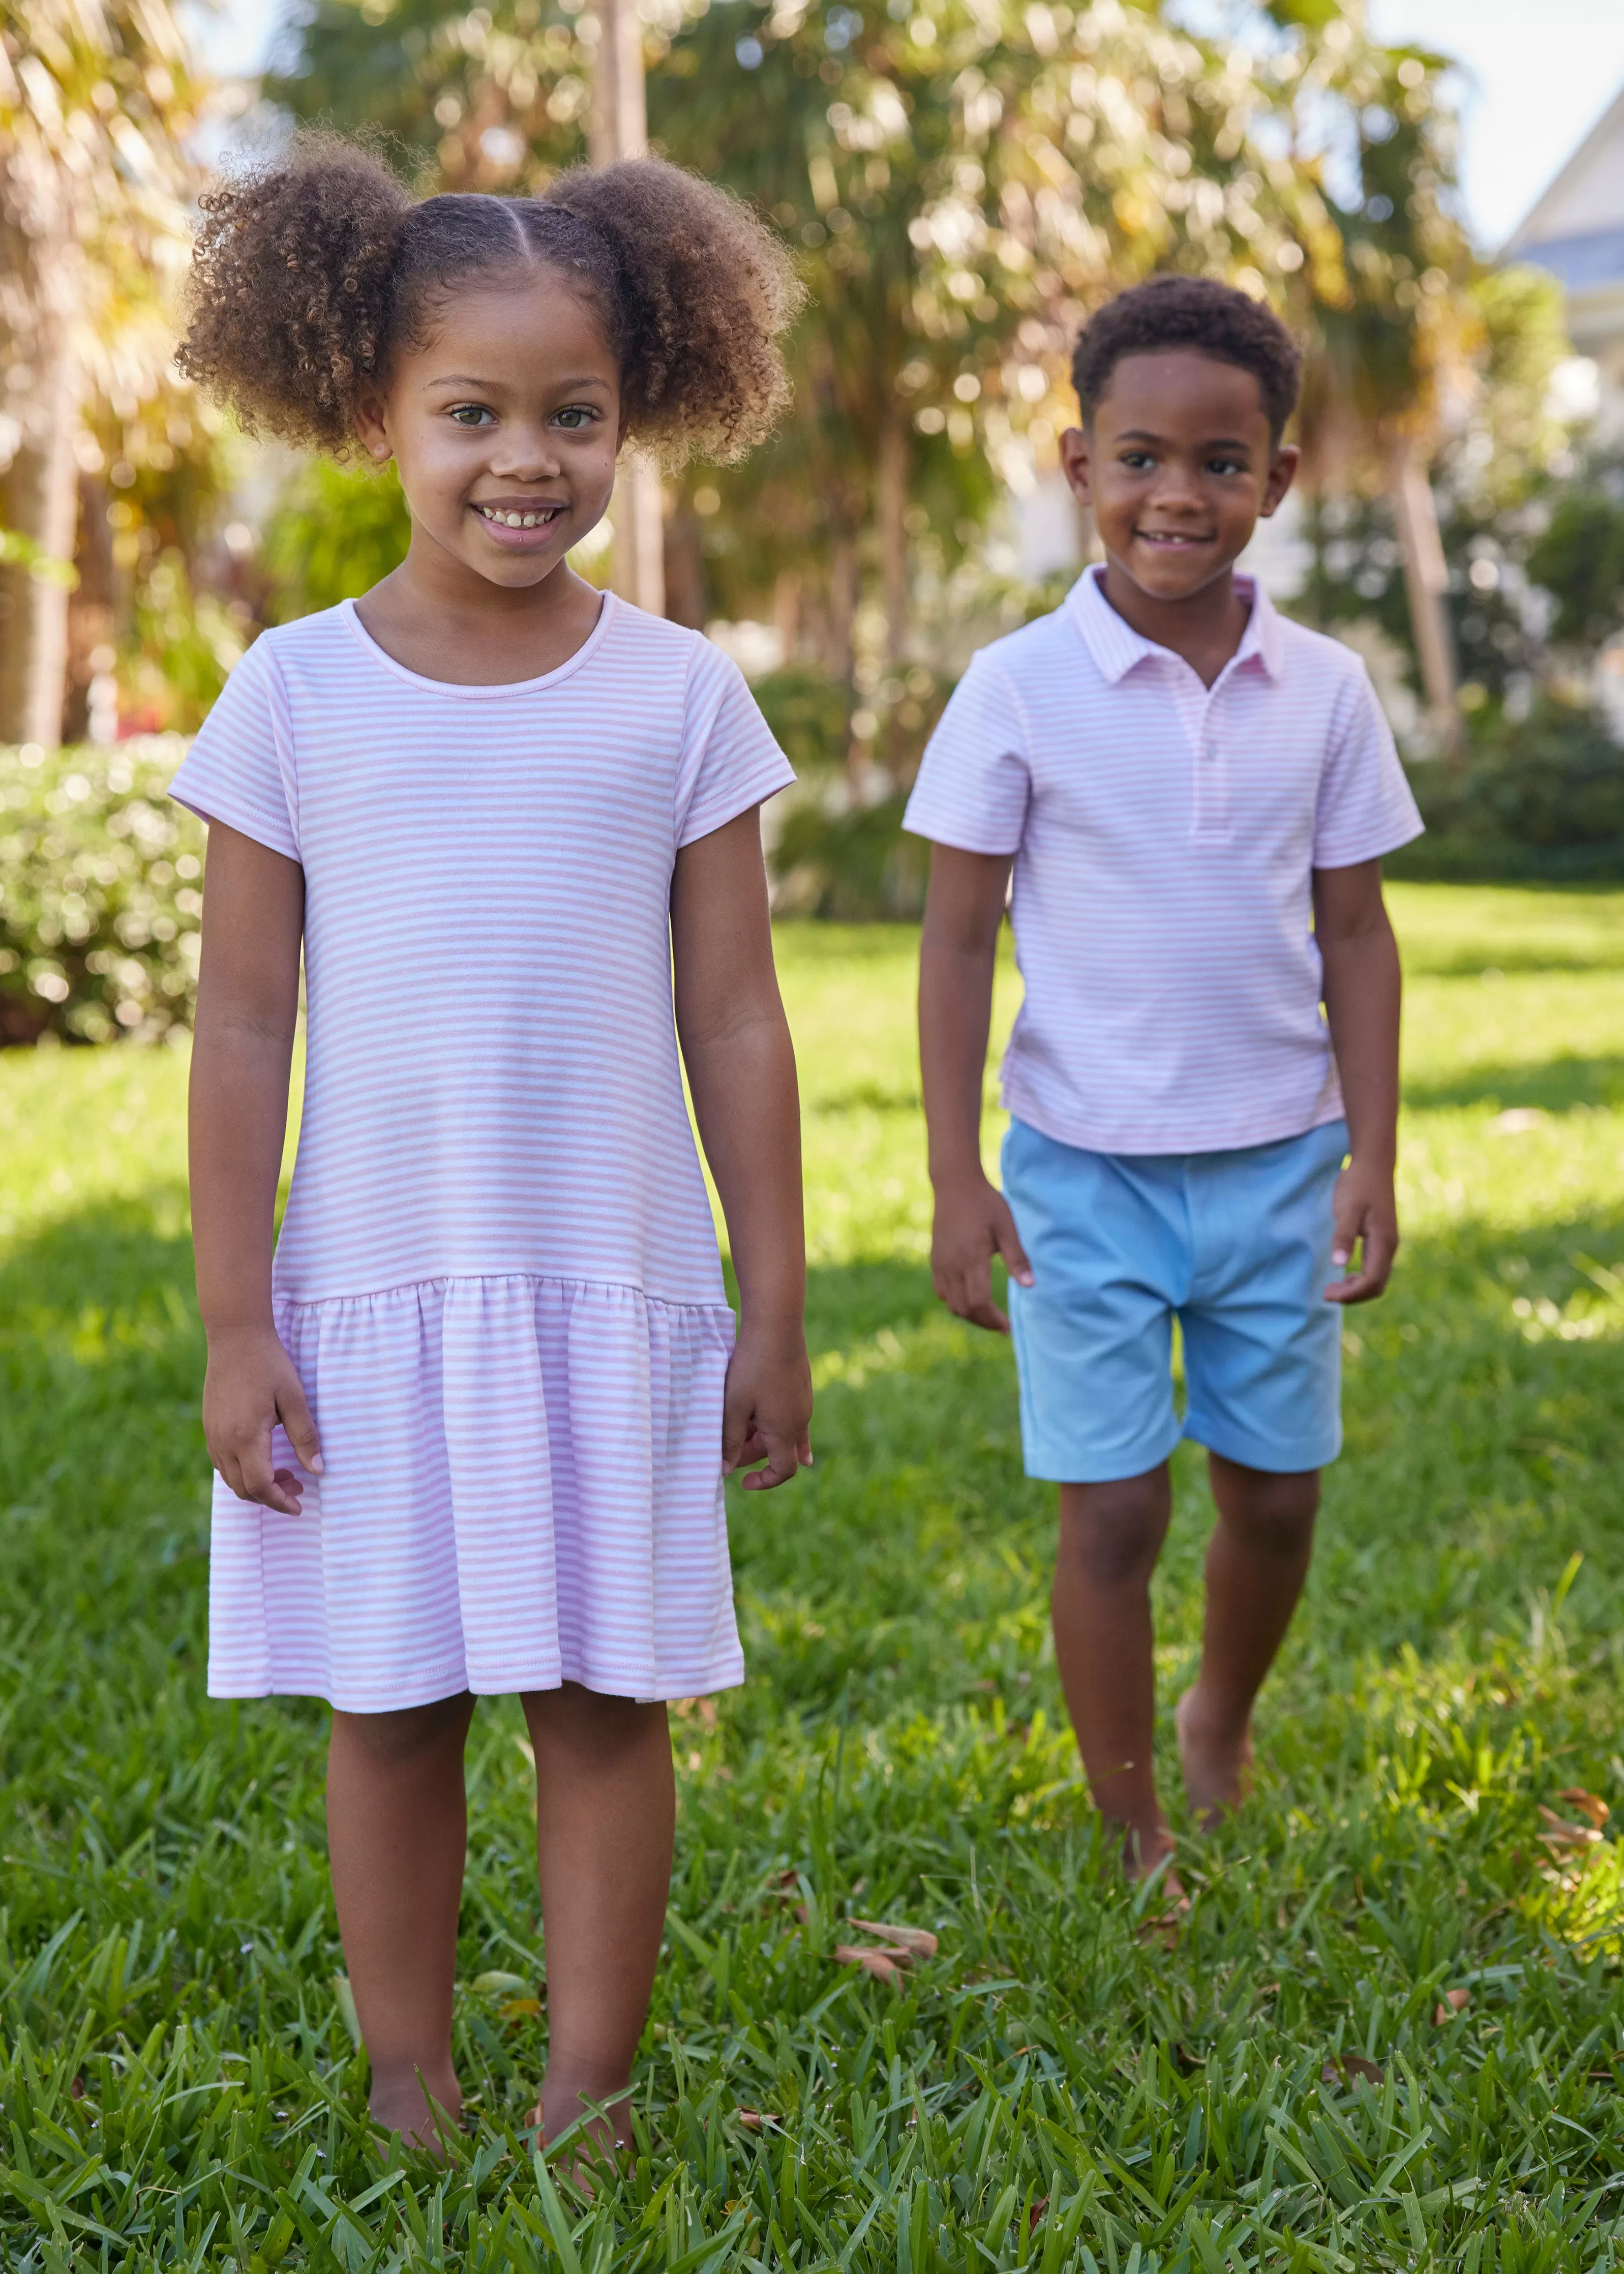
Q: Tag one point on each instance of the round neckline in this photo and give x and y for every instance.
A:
(606, 610)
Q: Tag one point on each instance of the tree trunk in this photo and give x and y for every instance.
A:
(1426, 579)
(786, 611)
(842, 605)
(92, 622)
(618, 128)
(39, 496)
(890, 505)
(685, 570)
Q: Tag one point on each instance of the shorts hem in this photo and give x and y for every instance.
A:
(1102, 1467)
(1274, 1455)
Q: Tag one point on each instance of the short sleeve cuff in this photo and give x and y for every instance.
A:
(1346, 853)
(764, 779)
(222, 802)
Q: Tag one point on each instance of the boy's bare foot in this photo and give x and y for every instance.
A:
(1147, 1853)
(1217, 1766)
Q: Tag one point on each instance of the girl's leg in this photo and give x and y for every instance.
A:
(397, 1828)
(1256, 1561)
(1111, 1536)
(606, 1821)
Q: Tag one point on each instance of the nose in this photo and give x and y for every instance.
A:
(527, 453)
(1177, 488)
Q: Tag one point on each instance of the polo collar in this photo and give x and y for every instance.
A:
(1116, 647)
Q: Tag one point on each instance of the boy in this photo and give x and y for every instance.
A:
(1182, 780)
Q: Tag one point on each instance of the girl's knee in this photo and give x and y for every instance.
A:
(389, 1739)
(589, 1721)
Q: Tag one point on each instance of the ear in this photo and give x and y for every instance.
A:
(1077, 462)
(1281, 473)
(372, 429)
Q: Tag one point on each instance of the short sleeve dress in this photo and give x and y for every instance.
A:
(497, 1274)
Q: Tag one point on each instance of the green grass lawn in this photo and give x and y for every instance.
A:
(1054, 2089)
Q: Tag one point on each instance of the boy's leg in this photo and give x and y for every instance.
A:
(397, 1826)
(605, 1814)
(1256, 1561)
(1111, 1536)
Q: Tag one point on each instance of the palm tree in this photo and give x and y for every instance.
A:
(96, 103)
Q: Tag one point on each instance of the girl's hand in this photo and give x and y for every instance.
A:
(251, 1385)
(767, 1406)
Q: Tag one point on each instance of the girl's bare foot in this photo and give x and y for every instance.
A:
(1217, 1765)
(407, 2110)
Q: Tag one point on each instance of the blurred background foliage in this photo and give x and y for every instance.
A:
(962, 184)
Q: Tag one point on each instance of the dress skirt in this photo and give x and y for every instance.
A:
(522, 1487)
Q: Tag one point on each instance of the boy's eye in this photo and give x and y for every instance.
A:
(473, 414)
(574, 417)
(1225, 466)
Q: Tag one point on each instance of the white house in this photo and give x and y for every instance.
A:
(1576, 231)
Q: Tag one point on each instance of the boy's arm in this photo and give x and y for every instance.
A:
(1359, 956)
(741, 1077)
(248, 1004)
(958, 953)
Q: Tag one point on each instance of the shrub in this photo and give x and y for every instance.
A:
(1540, 796)
(101, 893)
(850, 866)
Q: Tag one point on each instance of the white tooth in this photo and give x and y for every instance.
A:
(530, 519)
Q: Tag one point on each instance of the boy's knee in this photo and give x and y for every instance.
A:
(1115, 1530)
(393, 1740)
(1273, 1513)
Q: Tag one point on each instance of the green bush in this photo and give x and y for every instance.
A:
(849, 866)
(1540, 796)
(101, 893)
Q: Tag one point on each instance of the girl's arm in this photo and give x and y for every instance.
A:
(248, 1001)
(958, 953)
(742, 1076)
(1359, 958)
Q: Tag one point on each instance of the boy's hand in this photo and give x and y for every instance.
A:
(973, 1224)
(250, 1386)
(1366, 1216)
(767, 1406)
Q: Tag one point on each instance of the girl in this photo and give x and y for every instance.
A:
(471, 1423)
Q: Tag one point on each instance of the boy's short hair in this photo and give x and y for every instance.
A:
(1191, 312)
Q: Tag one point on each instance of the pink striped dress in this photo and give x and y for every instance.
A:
(498, 1275)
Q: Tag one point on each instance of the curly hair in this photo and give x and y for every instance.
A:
(309, 278)
(1191, 312)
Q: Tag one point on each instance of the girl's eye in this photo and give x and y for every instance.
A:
(473, 414)
(1137, 459)
(575, 416)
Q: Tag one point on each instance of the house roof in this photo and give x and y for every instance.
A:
(1576, 228)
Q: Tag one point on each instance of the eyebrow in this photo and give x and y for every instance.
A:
(1217, 443)
(495, 386)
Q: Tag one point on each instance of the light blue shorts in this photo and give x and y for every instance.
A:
(1238, 1245)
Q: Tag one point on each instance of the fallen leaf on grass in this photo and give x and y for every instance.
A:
(1451, 2002)
(1354, 2070)
(918, 1941)
(484, 1983)
(1588, 1804)
(752, 2119)
(1560, 1835)
(518, 2009)
(1036, 2212)
(1516, 1120)
(882, 1964)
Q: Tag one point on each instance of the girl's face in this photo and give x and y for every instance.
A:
(505, 425)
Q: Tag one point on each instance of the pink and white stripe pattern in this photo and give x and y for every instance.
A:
(498, 1275)
(1165, 836)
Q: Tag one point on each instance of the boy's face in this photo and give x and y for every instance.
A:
(503, 422)
(1179, 466)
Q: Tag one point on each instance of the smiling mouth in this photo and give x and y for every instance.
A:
(1174, 539)
(508, 516)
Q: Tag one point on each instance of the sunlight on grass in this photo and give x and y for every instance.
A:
(1059, 2087)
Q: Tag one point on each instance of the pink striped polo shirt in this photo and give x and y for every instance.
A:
(1165, 835)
